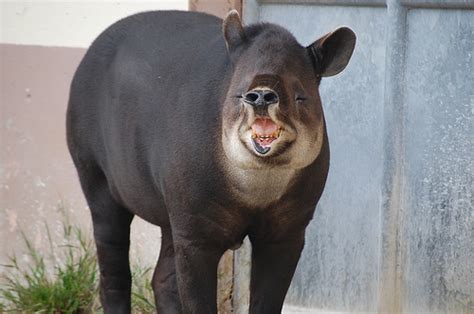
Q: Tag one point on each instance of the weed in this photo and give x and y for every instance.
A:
(72, 288)
(143, 300)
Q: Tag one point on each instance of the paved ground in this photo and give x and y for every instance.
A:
(299, 310)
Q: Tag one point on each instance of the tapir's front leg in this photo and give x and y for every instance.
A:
(196, 273)
(198, 247)
(273, 266)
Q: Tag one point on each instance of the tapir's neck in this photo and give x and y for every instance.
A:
(259, 188)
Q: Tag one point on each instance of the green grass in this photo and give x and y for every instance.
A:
(143, 299)
(70, 288)
(69, 284)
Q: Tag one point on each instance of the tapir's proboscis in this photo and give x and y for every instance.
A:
(213, 131)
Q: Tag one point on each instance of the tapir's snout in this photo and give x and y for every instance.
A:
(264, 129)
(261, 98)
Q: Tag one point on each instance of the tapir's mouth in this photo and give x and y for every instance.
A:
(264, 133)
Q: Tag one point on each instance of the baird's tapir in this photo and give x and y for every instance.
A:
(212, 131)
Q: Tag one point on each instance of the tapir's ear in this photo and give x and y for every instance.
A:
(332, 52)
(232, 29)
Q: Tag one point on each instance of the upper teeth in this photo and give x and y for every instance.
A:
(275, 134)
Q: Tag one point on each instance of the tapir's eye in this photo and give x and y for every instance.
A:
(300, 99)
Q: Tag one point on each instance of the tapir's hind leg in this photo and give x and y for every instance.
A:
(164, 278)
(111, 224)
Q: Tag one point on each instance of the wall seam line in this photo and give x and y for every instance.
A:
(390, 268)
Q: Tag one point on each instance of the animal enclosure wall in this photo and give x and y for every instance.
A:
(41, 44)
(394, 229)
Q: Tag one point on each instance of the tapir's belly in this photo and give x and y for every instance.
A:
(132, 184)
(141, 199)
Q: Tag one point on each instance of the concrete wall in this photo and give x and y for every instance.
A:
(394, 229)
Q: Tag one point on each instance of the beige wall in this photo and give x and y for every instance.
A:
(41, 45)
(68, 23)
(216, 7)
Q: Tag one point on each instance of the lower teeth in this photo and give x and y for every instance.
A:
(272, 136)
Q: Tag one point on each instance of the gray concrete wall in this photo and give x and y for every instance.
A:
(394, 229)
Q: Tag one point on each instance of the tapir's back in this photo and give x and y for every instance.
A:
(142, 85)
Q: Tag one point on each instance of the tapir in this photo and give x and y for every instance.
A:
(213, 131)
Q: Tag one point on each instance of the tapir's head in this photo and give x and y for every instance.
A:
(273, 114)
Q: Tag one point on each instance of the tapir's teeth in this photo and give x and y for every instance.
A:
(275, 135)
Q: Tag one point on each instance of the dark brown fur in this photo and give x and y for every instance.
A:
(150, 107)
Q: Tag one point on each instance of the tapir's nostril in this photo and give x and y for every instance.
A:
(252, 97)
(261, 98)
(270, 97)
